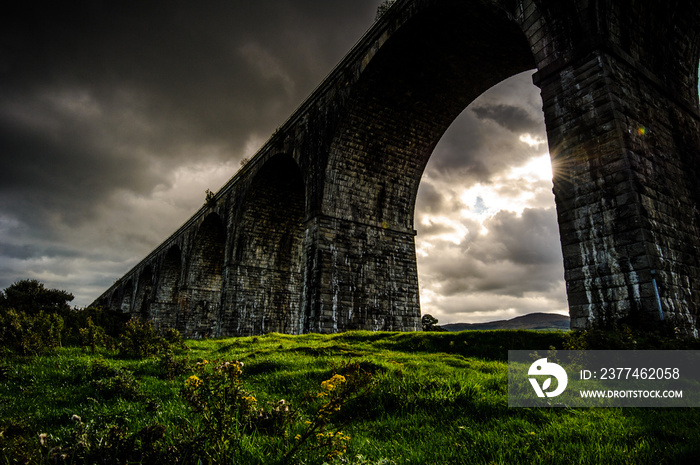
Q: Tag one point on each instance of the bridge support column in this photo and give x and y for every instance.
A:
(625, 155)
(360, 276)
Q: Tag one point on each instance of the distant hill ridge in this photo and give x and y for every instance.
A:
(542, 321)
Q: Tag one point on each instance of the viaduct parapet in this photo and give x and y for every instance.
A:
(315, 233)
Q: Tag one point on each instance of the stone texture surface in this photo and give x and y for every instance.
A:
(315, 233)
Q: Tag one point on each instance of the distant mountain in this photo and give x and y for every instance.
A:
(541, 321)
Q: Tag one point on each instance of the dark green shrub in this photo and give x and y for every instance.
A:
(92, 336)
(121, 385)
(113, 383)
(31, 297)
(140, 339)
(29, 334)
(171, 367)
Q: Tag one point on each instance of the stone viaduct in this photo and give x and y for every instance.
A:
(315, 233)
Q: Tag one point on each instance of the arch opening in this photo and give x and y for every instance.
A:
(144, 293)
(268, 250)
(199, 318)
(127, 294)
(165, 301)
(487, 243)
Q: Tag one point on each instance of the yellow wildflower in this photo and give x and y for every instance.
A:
(338, 379)
(193, 382)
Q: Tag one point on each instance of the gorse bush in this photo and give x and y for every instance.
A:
(229, 416)
(29, 334)
(107, 322)
(140, 339)
(92, 336)
(225, 410)
(322, 431)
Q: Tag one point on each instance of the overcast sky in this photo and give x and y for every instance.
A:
(115, 117)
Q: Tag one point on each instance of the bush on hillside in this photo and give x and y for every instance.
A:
(29, 334)
(140, 339)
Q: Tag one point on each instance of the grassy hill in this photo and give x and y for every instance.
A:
(538, 321)
(356, 397)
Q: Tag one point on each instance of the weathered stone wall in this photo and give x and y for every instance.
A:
(622, 124)
(315, 233)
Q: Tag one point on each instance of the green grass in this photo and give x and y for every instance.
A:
(437, 398)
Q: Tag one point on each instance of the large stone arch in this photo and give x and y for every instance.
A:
(416, 84)
(267, 253)
(411, 90)
(199, 308)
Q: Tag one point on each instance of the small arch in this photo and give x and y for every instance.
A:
(207, 257)
(204, 279)
(169, 276)
(144, 292)
(268, 250)
(127, 295)
(164, 307)
(114, 303)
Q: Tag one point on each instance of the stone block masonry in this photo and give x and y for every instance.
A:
(315, 233)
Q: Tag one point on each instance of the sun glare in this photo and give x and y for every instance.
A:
(536, 169)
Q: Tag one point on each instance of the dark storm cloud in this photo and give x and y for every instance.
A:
(102, 104)
(519, 256)
(21, 252)
(529, 239)
(96, 96)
